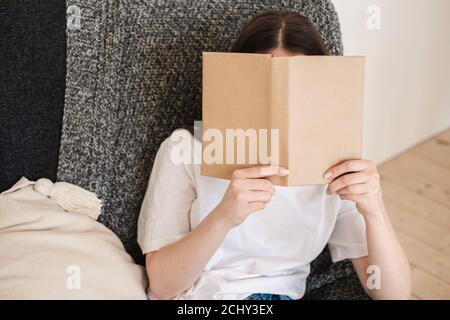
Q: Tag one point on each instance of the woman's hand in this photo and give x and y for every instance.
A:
(358, 181)
(247, 192)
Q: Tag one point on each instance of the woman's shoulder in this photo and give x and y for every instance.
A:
(181, 146)
(179, 136)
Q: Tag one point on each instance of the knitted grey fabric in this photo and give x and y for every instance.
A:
(134, 75)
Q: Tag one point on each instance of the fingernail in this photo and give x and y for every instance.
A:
(327, 175)
(284, 171)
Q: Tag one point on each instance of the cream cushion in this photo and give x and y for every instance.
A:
(47, 252)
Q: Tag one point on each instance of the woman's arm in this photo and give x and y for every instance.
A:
(359, 181)
(385, 253)
(176, 267)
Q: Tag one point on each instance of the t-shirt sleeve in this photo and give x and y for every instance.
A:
(164, 216)
(348, 239)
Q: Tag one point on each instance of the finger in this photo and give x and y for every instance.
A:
(353, 197)
(260, 172)
(348, 166)
(259, 196)
(354, 189)
(346, 180)
(259, 185)
(256, 205)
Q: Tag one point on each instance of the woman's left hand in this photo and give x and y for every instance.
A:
(358, 181)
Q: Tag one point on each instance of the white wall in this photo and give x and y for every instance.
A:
(407, 71)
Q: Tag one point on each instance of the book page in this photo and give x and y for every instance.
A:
(236, 96)
(325, 115)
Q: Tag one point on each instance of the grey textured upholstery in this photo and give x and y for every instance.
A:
(134, 75)
(32, 76)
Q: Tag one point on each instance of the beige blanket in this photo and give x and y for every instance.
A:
(51, 247)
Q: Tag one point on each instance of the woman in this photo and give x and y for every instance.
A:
(207, 238)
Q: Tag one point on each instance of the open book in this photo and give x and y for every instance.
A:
(304, 113)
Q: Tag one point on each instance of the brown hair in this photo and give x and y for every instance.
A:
(276, 29)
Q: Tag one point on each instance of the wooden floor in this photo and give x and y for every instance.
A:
(416, 190)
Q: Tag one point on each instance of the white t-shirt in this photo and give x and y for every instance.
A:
(270, 252)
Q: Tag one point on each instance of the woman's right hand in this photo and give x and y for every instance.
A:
(248, 191)
(175, 268)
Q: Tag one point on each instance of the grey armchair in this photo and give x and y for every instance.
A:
(133, 76)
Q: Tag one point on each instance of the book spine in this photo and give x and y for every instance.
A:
(279, 114)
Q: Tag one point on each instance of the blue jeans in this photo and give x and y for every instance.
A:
(267, 296)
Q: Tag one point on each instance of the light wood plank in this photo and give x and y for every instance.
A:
(433, 235)
(434, 261)
(446, 252)
(427, 287)
(436, 150)
(416, 192)
(445, 135)
(422, 176)
(415, 203)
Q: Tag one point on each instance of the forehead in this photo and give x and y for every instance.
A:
(280, 52)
